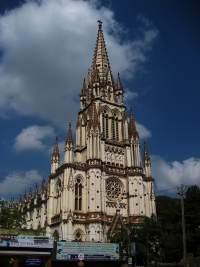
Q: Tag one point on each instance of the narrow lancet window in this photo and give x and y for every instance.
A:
(78, 194)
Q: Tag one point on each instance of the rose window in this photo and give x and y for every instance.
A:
(113, 188)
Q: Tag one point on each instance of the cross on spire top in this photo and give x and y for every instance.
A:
(99, 24)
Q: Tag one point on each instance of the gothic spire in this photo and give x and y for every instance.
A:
(69, 139)
(55, 152)
(100, 58)
(55, 157)
(132, 130)
(119, 85)
(84, 87)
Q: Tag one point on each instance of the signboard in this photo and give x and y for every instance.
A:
(33, 262)
(27, 242)
(88, 251)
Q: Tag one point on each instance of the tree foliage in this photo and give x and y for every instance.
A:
(147, 238)
(160, 239)
(169, 216)
(11, 217)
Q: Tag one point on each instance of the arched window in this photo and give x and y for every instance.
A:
(78, 194)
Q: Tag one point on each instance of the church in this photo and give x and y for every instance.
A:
(105, 177)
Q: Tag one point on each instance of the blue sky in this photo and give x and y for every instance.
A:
(46, 48)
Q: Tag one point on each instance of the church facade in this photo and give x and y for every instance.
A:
(103, 178)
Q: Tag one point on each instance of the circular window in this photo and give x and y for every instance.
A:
(113, 188)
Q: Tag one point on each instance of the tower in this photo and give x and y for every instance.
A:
(103, 176)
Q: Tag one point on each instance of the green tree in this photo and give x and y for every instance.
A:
(169, 217)
(11, 217)
(147, 238)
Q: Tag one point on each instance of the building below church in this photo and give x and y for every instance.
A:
(103, 178)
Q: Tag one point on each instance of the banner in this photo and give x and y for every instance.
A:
(88, 250)
(27, 242)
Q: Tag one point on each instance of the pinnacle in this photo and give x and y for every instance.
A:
(56, 148)
(84, 88)
(69, 139)
(119, 85)
(132, 128)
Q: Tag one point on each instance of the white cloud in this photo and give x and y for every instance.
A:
(47, 47)
(168, 175)
(33, 138)
(17, 183)
(144, 133)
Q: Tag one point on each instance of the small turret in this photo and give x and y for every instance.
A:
(55, 157)
(68, 158)
(147, 162)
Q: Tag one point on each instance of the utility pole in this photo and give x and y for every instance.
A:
(181, 190)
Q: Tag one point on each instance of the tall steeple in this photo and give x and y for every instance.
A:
(100, 64)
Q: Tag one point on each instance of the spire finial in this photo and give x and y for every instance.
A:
(99, 24)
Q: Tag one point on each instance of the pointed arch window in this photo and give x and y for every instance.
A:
(78, 194)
